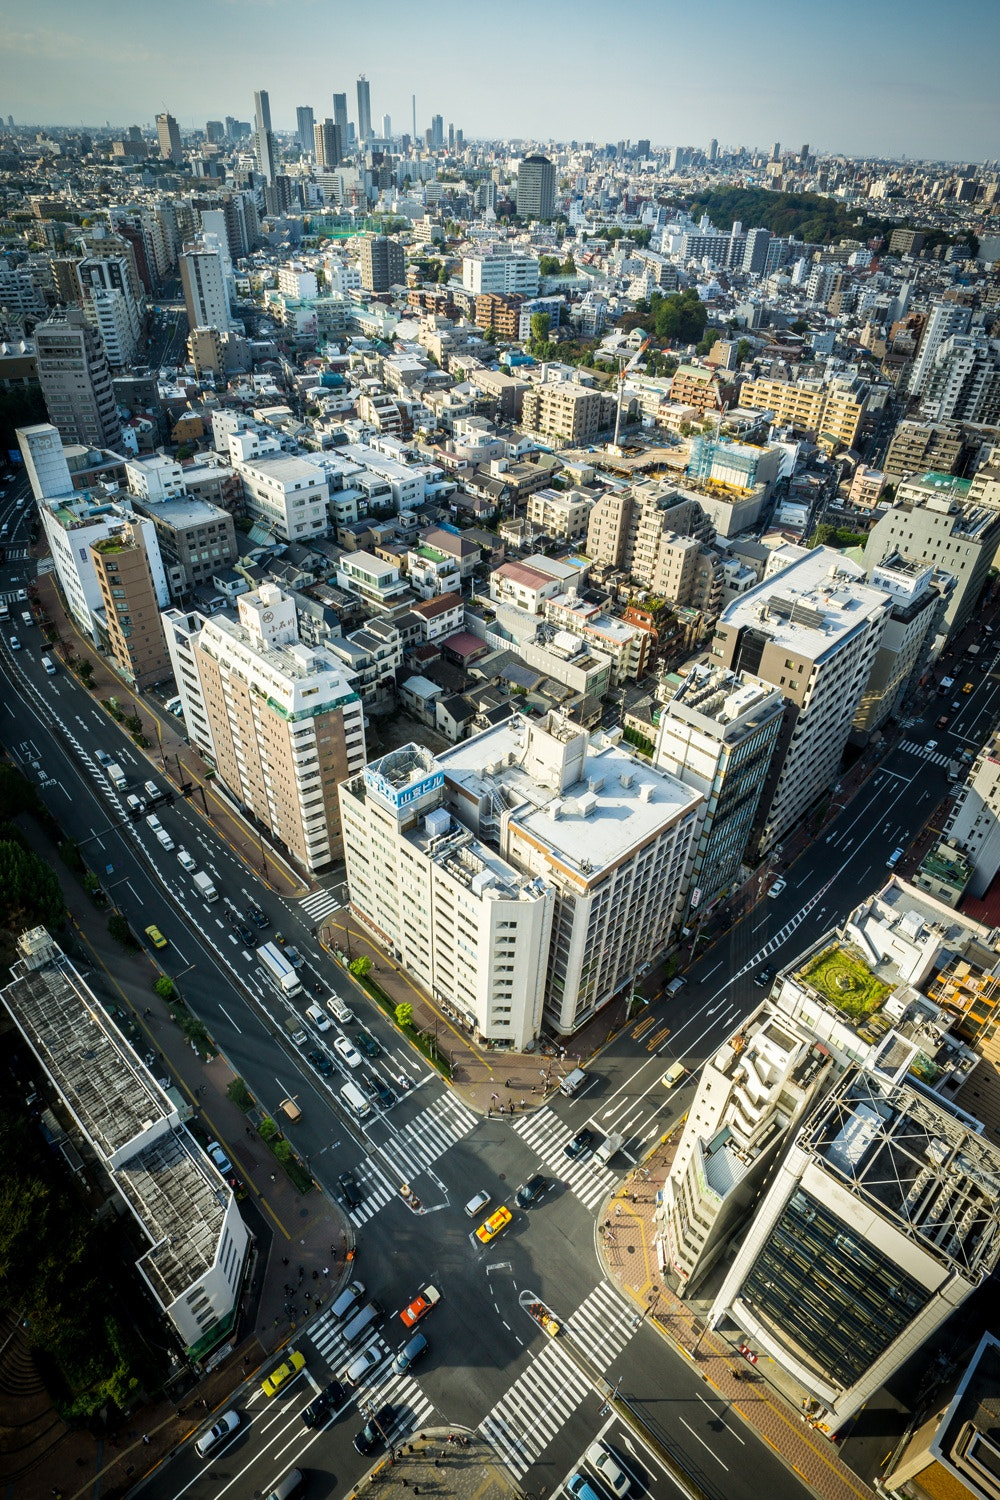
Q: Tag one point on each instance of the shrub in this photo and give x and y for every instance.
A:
(119, 929)
(240, 1095)
(165, 987)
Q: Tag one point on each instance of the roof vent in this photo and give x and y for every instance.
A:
(586, 804)
(647, 791)
(626, 778)
(554, 809)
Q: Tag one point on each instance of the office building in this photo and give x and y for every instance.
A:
(110, 304)
(387, 127)
(933, 521)
(193, 1244)
(45, 461)
(73, 525)
(206, 294)
(813, 631)
(215, 132)
(75, 377)
(717, 735)
(536, 188)
(304, 126)
(130, 614)
(474, 931)
(501, 273)
(974, 821)
(949, 1448)
(882, 1219)
(610, 834)
(437, 133)
(287, 497)
(713, 151)
(567, 414)
(920, 596)
(340, 118)
(364, 111)
(264, 147)
(169, 136)
(751, 1096)
(197, 539)
(383, 263)
(279, 721)
(327, 147)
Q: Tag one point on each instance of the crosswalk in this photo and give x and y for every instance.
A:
(413, 1407)
(935, 757)
(377, 1188)
(320, 904)
(545, 1133)
(545, 1396)
(408, 1152)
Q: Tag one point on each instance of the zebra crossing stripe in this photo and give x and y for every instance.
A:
(542, 1400)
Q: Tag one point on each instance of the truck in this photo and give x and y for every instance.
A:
(205, 886)
(296, 1030)
(115, 775)
(422, 1303)
(608, 1147)
(279, 970)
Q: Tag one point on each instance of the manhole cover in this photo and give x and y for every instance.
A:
(303, 1213)
(631, 1249)
(503, 1176)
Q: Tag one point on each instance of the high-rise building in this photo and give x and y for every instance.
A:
(364, 111)
(755, 253)
(536, 188)
(75, 377)
(974, 821)
(383, 263)
(304, 124)
(131, 608)
(328, 148)
(280, 721)
(169, 137)
(437, 132)
(45, 461)
(215, 132)
(566, 413)
(387, 127)
(340, 118)
(502, 273)
(206, 296)
(811, 630)
(110, 304)
(833, 411)
(713, 150)
(776, 151)
(944, 320)
(264, 147)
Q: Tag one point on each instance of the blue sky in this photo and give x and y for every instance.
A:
(916, 79)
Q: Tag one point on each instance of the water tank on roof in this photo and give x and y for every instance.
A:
(437, 822)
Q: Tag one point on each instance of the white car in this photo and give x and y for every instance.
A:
(219, 1157)
(211, 1439)
(346, 1050)
(478, 1202)
(777, 887)
(188, 862)
(605, 1463)
(15, 644)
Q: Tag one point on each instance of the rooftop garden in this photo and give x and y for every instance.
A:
(843, 979)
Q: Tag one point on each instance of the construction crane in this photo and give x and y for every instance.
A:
(623, 371)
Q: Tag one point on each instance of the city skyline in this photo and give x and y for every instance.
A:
(918, 101)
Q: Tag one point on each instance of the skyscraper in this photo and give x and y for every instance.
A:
(382, 263)
(364, 110)
(304, 120)
(437, 132)
(263, 139)
(536, 188)
(215, 132)
(206, 297)
(131, 606)
(169, 137)
(713, 150)
(387, 127)
(328, 146)
(75, 377)
(340, 118)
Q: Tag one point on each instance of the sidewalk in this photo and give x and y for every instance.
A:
(301, 1241)
(427, 1464)
(169, 751)
(628, 1253)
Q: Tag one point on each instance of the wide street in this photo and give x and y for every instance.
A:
(537, 1399)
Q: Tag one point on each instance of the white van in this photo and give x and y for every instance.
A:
(337, 1008)
(49, 665)
(354, 1100)
(572, 1081)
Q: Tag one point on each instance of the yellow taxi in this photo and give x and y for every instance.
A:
(294, 1362)
(492, 1226)
(967, 688)
(156, 937)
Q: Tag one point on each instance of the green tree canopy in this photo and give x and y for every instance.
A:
(548, 265)
(678, 319)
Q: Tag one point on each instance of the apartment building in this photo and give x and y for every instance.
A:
(696, 387)
(933, 521)
(717, 735)
(287, 497)
(662, 539)
(73, 525)
(501, 271)
(919, 595)
(611, 835)
(921, 447)
(75, 377)
(206, 295)
(560, 513)
(813, 631)
(110, 304)
(974, 821)
(536, 188)
(383, 263)
(752, 1095)
(280, 721)
(191, 1240)
(375, 582)
(197, 540)
(832, 411)
(474, 931)
(629, 648)
(130, 606)
(567, 414)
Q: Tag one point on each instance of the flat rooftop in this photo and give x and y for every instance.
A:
(810, 606)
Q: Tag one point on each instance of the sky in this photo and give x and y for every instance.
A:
(913, 79)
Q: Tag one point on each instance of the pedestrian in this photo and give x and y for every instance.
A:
(284, 1260)
(618, 1209)
(326, 1270)
(522, 1103)
(145, 1439)
(315, 1274)
(147, 1011)
(507, 1084)
(333, 1250)
(274, 1177)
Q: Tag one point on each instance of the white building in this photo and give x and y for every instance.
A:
(296, 281)
(45, 461)
(206, 294)
(974, 822)
(286, 495)
(375, 582)
(473, 930)
(500, 272)
(72, 524)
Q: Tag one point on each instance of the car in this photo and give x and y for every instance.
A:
(102, 757)
(376, 1430)
(368, 1045)
(385, 1096)
(610, 1470)
(156, 936)
(581, 1142)
(943, 722)
(326, 1403)
(426, 1298)
(529, 1191)
(320, 1062)
(188, 861)
(777, 887)
(21, 595)
(257, 917)
(581, 1487)
(492, 1226)
(967, 687)
(346, 1050)
(363, 1364)
(286, 1371)
(956, 703)
(410, 1352)
(763, 976)
(350, 1190)
(294, 956)
(219, 1157)
(15, 644)
(217, 1433)
(244, 934)
(475, 1204)
(932, 744)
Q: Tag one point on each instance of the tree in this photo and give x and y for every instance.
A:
(568, 267)
(30, 895)
(404, 1015)
(443, 276)
(680, 318)
(540, 323)
(119, 929)
(743, 349)
(361, 966)
(165, 987)
(548, 265)
(712, 335)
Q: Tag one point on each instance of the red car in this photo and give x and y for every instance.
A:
(420, 1305)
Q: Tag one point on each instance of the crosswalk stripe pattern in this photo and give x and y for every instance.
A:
(539, 1403)
(320, 904)
(545, 1133)
(602, 1325)
(377, 1189)
(934, 756)
(415, 1408)
(429, 1135)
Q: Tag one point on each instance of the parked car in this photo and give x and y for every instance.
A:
(219, 1157)
(156, 936)
(777, 887)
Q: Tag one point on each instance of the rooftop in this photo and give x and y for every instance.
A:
(811, 606)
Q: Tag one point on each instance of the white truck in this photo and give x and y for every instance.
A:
(115, 775)
(280, 971)
(205, 886)
(607, 1148)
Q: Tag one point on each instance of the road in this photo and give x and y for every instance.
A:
(489, 1365)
